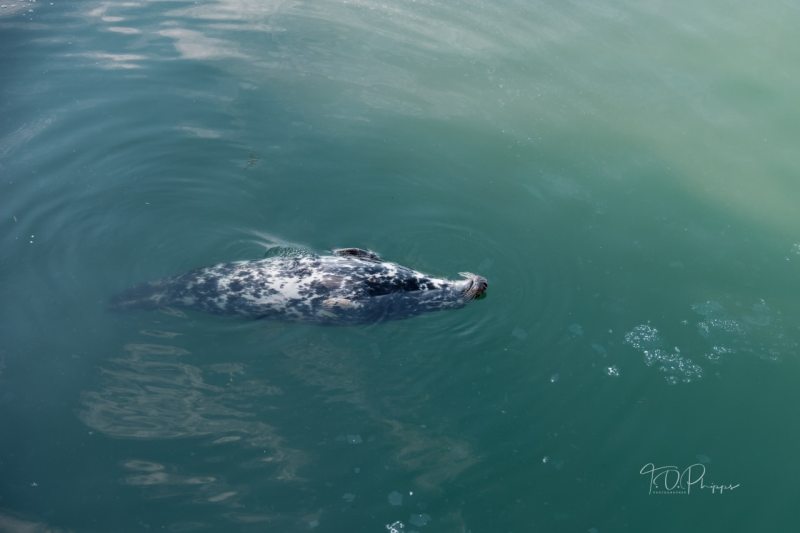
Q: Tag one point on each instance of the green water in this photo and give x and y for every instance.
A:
(625, 174)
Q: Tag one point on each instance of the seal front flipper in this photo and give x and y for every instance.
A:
(357, 252)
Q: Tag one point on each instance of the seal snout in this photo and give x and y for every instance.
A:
(476, 286)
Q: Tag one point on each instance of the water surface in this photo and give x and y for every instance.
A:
(623, 173)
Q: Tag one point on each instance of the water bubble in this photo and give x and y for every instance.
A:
(651, 356)
(707, 328)
(554, 378)
(395, 527)
(354, 439)
(676, 367)
(717, 352)
(612, 371)
(643, 336)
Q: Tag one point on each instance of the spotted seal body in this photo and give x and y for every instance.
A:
(352, 286)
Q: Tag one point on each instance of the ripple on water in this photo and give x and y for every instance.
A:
(144, 395)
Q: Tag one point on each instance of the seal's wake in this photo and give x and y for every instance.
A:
(352, 286)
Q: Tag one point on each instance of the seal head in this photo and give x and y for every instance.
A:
(476, 286)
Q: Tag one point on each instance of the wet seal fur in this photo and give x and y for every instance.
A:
(351, 286)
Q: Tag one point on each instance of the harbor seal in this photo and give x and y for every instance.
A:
(349, 286)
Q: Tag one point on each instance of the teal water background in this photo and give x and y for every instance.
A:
(624, 173)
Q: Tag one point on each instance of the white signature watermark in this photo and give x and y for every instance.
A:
(672, 480)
